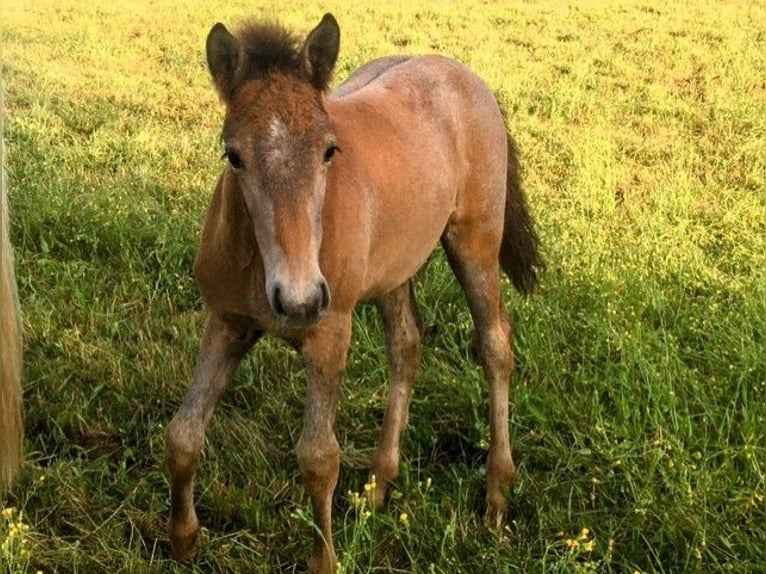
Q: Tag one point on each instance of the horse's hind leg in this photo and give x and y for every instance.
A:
(222, 350)
(472, 254)
(402, 327)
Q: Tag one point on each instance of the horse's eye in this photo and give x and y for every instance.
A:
(234, 159)
(330, 153)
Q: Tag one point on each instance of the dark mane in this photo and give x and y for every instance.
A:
(266, 48)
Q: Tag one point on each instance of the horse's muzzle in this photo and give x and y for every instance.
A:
(299, 309)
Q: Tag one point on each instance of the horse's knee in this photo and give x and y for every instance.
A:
(494, 348)
(505, 323)
(319, 462)
(182, 448)
(411, 344)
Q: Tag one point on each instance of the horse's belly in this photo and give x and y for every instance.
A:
(401, 248)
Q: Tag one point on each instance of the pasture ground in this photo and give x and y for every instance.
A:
(638, 400)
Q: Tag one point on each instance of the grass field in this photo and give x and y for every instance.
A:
(639, 398)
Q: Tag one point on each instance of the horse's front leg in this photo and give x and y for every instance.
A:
(324, 352)
(223, 346)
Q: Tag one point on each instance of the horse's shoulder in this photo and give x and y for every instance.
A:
(227, 238)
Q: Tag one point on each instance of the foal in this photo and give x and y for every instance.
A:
(329, 199)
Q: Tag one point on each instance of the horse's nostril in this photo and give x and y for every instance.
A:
(325, 301)
(279, 307)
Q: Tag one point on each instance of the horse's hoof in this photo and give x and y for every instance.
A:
(497, 509)
(494, 518)
(376, 498)
(185, 550)
(185, 547)
(324, 563)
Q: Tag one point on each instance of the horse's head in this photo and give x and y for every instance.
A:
(279, 143)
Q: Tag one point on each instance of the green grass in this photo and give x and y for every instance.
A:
(638, 397)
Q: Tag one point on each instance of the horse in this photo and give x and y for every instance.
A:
(11, 424)
(328, 199)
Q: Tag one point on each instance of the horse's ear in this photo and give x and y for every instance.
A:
(320, 51)
(222, 57)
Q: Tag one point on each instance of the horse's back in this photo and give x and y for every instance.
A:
(429, 101)
(368, 73)
(440, 80)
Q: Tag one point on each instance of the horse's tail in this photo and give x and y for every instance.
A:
(519, 254)
(11, 424)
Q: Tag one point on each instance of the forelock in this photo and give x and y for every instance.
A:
(268, 48)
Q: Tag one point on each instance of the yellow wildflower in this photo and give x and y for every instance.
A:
(370, 486)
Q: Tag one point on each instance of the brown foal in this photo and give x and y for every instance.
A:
(329, 199)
